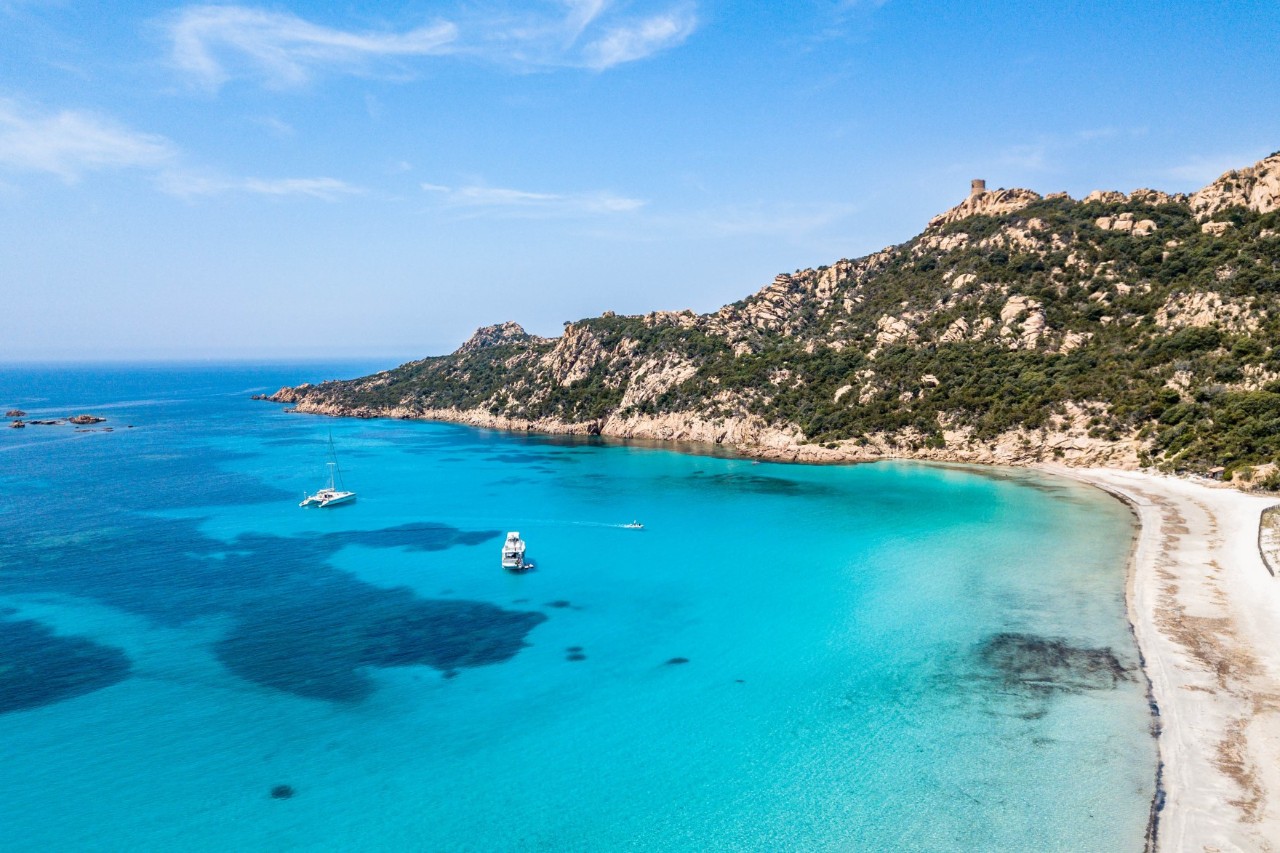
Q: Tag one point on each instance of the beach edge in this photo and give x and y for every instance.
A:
(1200, 603)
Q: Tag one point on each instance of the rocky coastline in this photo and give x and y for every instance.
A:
(752, 437)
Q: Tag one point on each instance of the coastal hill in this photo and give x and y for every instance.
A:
(1120, 329)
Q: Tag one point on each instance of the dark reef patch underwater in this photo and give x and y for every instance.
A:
(1037, 665)
(319, 652)
(299, 624)
(38, 667)
(755, 484)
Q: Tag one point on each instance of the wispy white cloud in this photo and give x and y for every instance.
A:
(581, 14)
(325, 188)
(215, 44)
(72, 142)
(277, 126)
(638, 39)
(16, 7)
(190, 184)
(847, 6)
(1090, 134)
(592, 34)
(843, 19)
(515, 202)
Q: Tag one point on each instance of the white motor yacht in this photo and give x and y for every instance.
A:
(513, 553)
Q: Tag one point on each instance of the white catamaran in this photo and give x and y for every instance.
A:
(333, 494)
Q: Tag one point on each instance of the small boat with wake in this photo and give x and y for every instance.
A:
(634, 525)
(513, 554)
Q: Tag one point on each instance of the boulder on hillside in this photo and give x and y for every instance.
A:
(494, 336)
(1255, 187)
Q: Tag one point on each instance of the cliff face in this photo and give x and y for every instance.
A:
(1120, 329)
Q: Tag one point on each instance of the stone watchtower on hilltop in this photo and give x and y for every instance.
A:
(977, 187)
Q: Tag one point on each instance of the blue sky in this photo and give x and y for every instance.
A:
(306, 180)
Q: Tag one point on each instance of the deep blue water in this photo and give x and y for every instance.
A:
(882, 657)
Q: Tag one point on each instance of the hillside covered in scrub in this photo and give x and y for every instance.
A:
(1138, 329)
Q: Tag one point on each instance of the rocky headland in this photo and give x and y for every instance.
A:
(1119, 330)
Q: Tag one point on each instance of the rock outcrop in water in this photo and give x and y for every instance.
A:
(1122, 330)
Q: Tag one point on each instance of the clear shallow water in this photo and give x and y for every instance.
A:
(887, 657)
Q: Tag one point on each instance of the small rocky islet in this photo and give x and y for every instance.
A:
(79, 421)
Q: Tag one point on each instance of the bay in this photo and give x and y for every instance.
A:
(894, 656)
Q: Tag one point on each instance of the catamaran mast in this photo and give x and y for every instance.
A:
(333, 464)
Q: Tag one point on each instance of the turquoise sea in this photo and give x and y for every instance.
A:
(880, 657)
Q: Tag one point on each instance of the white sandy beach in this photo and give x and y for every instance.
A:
(1207, 617)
